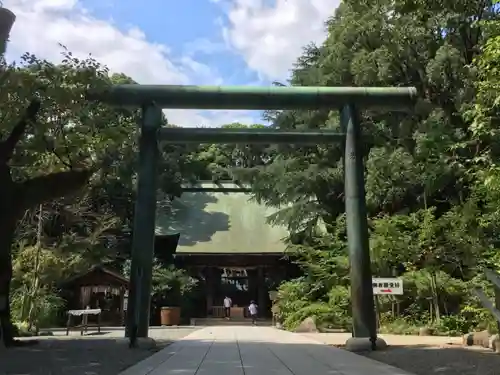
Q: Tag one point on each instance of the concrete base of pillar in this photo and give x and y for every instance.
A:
(364, 344)
(141, 342)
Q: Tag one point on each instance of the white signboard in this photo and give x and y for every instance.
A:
(125, 301)
(387, 285)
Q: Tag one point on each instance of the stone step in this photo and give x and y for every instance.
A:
(232, 322)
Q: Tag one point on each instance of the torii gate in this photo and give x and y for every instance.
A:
(152, 98)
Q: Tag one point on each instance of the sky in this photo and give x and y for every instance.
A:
(197, 42)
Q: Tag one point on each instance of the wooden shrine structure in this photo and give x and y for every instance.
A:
(223, 236)
(98, 288)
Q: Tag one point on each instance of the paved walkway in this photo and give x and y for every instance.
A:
(255, 351)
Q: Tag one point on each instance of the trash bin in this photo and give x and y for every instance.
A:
(170, 316)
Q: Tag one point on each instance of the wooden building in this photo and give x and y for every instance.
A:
(98, 288)
(224, 237)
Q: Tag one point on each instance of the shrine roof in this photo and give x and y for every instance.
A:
(99, 274)
(223, 220)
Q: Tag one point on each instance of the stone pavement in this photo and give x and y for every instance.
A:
(241, 350)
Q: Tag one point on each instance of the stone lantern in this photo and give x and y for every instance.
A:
(7, 19)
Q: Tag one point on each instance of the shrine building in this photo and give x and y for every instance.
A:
(223, 236)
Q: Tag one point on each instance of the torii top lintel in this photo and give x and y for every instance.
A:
(255, 98)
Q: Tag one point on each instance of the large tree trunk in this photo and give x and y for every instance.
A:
(7, 228)
(8, 220)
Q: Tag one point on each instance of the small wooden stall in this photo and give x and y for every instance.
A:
(101, 291)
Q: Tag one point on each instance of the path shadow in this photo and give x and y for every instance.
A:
(102, 333)
(79, 355)
(106, 330)
(72, 356)
(444, 360)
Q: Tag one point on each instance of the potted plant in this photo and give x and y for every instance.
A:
(170, 286)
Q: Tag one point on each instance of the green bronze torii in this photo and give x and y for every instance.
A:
(152, 98)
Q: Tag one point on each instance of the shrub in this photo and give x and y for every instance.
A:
(294, 306)
(453, 325)
(48, 308)
(292, 297)
(21, 329)
(339, 301)
(320, 312)
(399, 327)
(479, 319)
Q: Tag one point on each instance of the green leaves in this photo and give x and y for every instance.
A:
(431, 176)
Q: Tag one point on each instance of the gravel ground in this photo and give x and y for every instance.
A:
(428, 355)
(92, 354)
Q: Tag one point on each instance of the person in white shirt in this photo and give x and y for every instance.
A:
(227, 307)
(253, 309)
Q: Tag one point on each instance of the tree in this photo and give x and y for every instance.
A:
(58, 125)
(429, 210)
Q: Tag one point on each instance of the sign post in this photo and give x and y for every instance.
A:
(387, 285)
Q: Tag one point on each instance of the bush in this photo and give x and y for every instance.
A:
(399, 327)
(292, 297)
(293, 306)
(320, 312)
(21, 329)
(479, 319)
(453, 325)
(48, 307)
(339, 301)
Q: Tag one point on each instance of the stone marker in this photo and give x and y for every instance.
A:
(308, 325)
(467, 339)
(481, 338)
(425, 331)
(495, 343)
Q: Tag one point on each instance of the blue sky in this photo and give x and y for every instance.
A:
(201, 42)
(188, 27)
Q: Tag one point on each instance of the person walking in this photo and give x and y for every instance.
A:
(227, 307)
(253, 309)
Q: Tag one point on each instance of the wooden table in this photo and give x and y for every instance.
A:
(85, 316)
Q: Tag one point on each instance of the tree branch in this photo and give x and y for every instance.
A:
(7, 147)
(46, 188)
(50, 147)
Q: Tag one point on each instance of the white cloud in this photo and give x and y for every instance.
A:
(204, 46)
(42, 24)
(270, 34)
